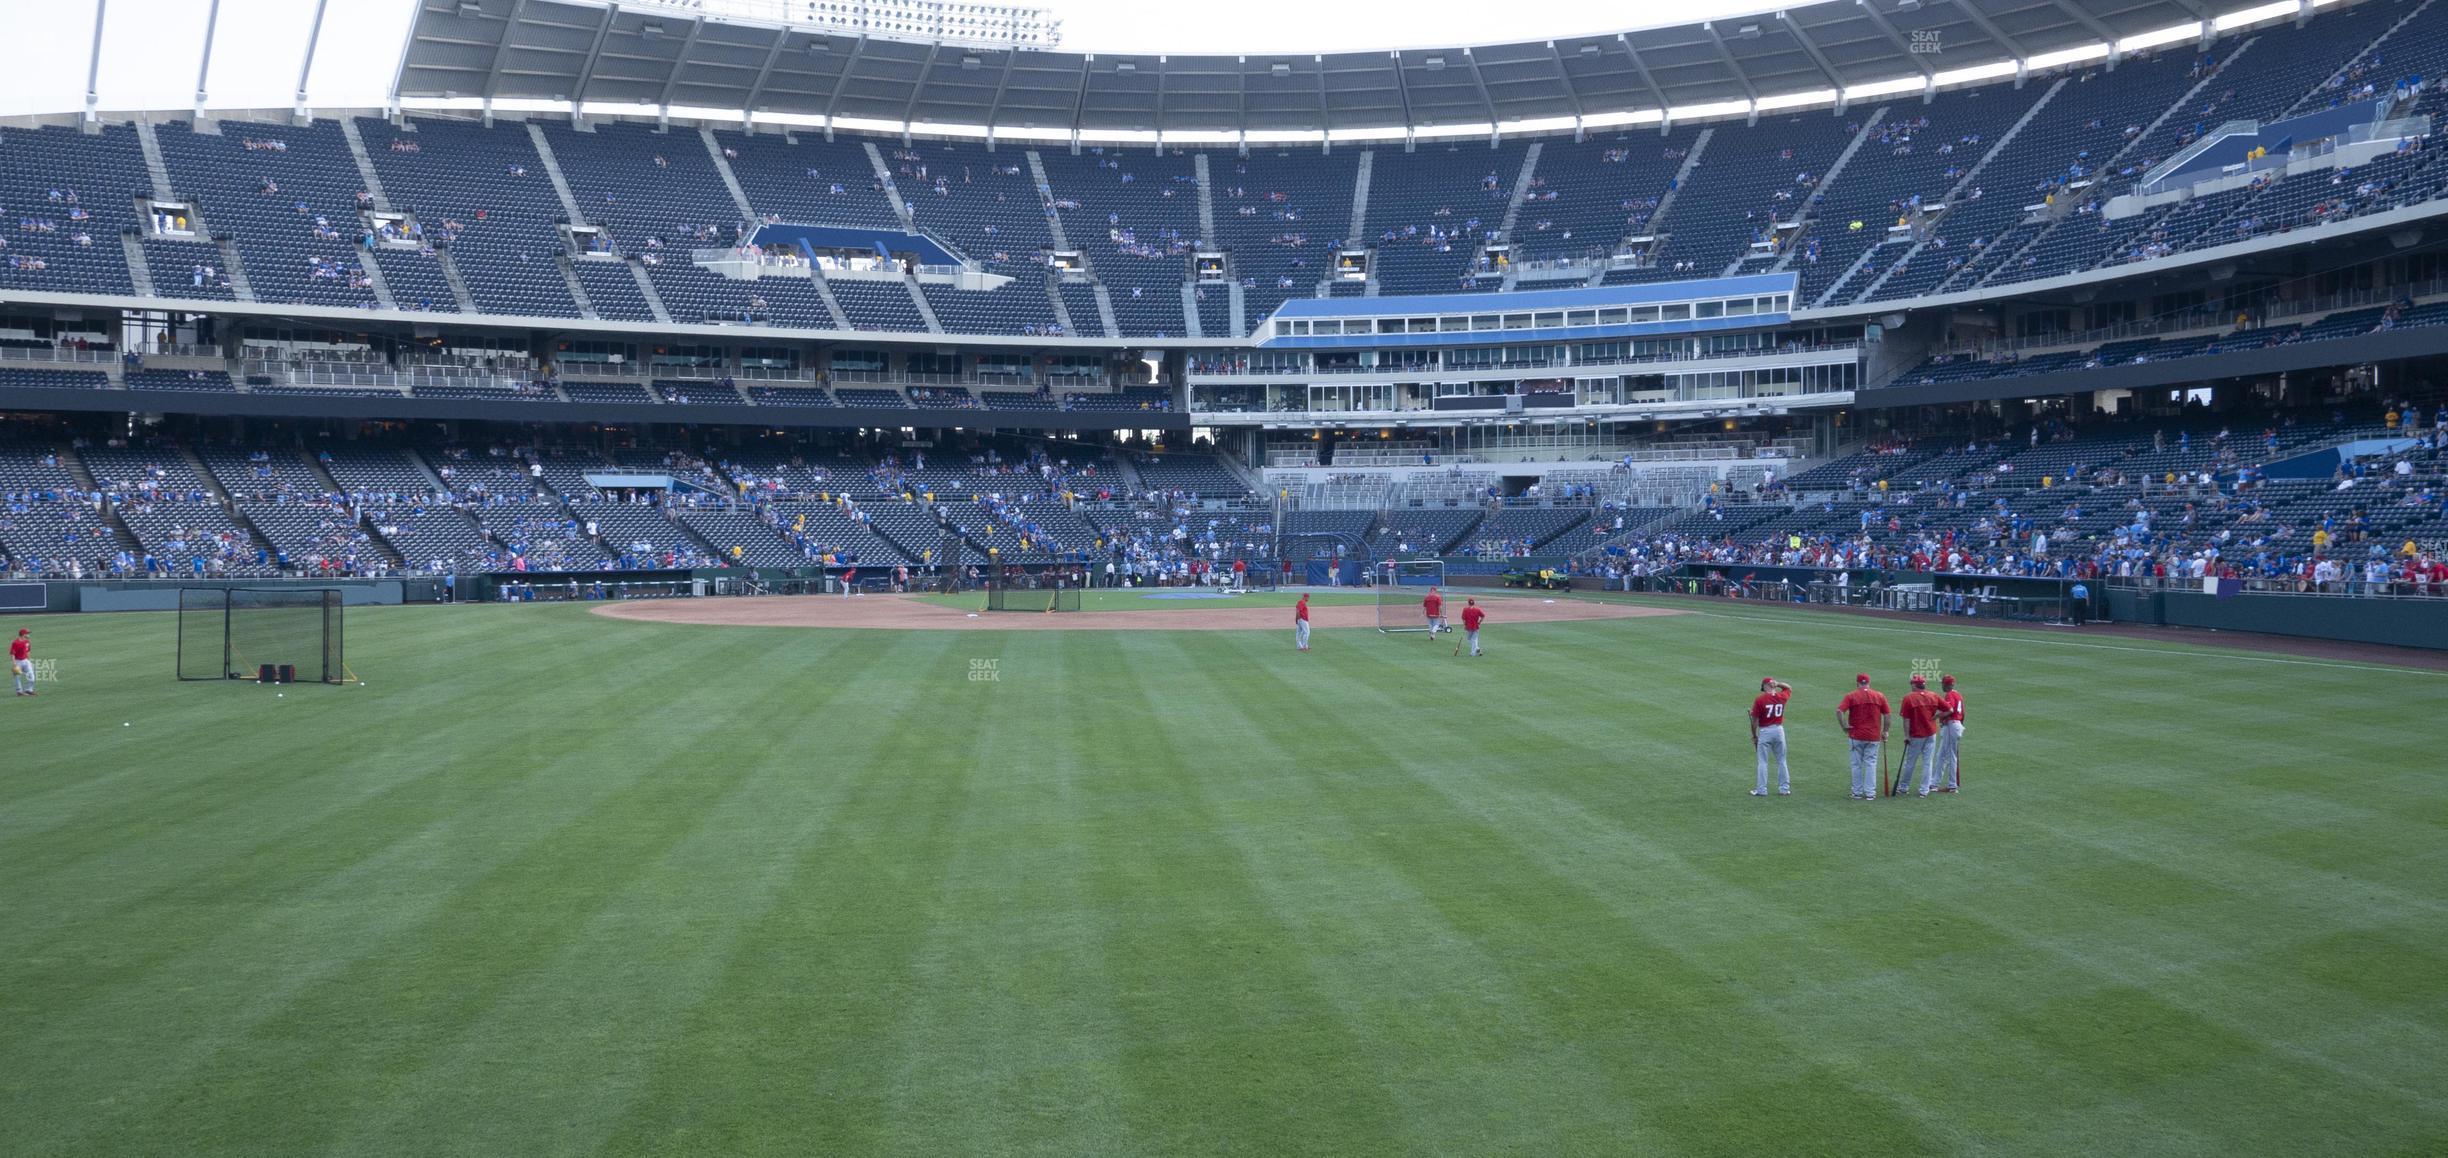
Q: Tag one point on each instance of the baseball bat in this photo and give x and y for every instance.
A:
(1886, 786)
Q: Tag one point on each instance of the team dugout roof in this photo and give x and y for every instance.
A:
(611, 54)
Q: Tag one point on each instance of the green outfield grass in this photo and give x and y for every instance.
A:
(556, 884)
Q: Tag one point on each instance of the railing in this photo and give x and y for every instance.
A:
(176, 350)
(586, 370)
(57, 354)
(2340, 588)
(1530, 365)
(1713, 453)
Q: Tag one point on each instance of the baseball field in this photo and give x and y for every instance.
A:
(556, 882)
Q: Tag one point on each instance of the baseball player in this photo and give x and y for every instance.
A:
(1920, 711)
(1434, 606)
(1863, 712)
(21, 661)
(1300, 622)
(1472, 616)
(1947, 772)
(1768, 735)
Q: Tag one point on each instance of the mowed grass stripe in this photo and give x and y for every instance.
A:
(363, 774)
(298, 1077)
(1624, 972)
(186, 977)
(1233, 1046)
(1476, 1055)
(794, 1049)
(565, 1051)
(1012, 1040)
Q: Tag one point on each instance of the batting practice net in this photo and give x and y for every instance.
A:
(294, 634)
(1006, 597)
(1401, 584)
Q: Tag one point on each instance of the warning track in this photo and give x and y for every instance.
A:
(910, 613)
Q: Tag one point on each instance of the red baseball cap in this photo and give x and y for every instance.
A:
(1920, 681)
(1947, 680)
(1862, 678)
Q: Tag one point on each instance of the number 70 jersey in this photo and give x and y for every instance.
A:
(1768, 711)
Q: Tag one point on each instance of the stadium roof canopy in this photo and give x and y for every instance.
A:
(611, 54)
(672, 58)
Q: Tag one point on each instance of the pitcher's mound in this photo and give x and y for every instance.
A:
(909, 613)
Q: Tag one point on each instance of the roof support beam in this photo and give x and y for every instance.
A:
(671, 82)
(1402, 87)
(1159, 117)
(1326, 123)
(1727, 55)
(1241, 109)
(501, 51)
(843, 81)
(1572, 96)
(994, 111)
(586, 71)
(909, 108)
(1817, 58)
(756, 89)
(314, 39)
(2106, 34)
(1485, 100)
(212, 23)
(1981, 20)
(1665, 112)
(1079, 101)
(93, 64)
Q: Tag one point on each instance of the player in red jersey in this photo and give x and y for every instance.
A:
(1921, 711)
(1434, 606)
(1472, 616)
(1768, 735)
(1863, 712)
(1949, 768)
(1300, 622)
(21, 661)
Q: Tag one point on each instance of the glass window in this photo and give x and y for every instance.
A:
(1581, 318)
(1644, 314)
(1389, 325)
(1712, 309)
(1675, 312)
(1517, 321)
(1548, 318)
(1453, 323)
(1611, 317)
(1484, 322)
(1739, 307)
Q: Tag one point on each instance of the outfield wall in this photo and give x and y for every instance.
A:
(58, 596)
(164, 596)
(2397, 622)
